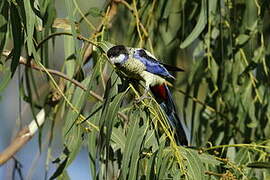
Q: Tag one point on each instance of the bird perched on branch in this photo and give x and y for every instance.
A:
(137, 63)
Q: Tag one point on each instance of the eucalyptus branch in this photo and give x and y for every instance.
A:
(23, 136)
(32, 65)
(28, 132)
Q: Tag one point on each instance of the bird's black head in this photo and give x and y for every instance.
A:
(115, 51)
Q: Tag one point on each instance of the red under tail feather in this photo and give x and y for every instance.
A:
(164, 98)
(160, 92)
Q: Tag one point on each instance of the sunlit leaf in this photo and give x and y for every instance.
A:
(95, 12)
(195, 168)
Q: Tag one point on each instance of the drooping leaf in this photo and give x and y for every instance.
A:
(60, 169)
(95, 12)
(195, 168)
(259, 165)
(4, 18)
(201, 23)
(132, 147)
(6, 77)
(17, 34)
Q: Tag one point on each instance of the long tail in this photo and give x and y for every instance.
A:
(164, 98)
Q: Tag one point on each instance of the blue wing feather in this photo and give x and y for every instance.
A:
(151, 64)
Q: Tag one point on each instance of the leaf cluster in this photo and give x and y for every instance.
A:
(223, 94)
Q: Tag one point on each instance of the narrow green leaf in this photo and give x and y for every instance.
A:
(150, 173)
(17, 37)
(48, 12)
(60, 169)
(64, 176)
(119, 138)
(5, 79)
(92, 145)
(208, 159)
(135, 134)
(105, 45)
(72, 133)
(242, 39)
(133, 170)
(195, 168)
(259, 165)
(242, 156)
(95, 12)
(4, 18)
(70, 58)
(164, 160)
(201, 23)
(30, 27)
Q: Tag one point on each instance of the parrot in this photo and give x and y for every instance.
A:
(139, 64)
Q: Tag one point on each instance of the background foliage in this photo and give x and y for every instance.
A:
(223, 94)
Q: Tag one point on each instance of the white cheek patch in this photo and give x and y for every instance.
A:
(119, 59)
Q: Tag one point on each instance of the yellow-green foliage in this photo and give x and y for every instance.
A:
(223, 95)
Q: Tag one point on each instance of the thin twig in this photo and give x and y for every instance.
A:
(91, 25)
(135, 14)
(80, 37)
(213, 174)
(253, 146)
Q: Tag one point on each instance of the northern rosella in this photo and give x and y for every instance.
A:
(137, 63)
